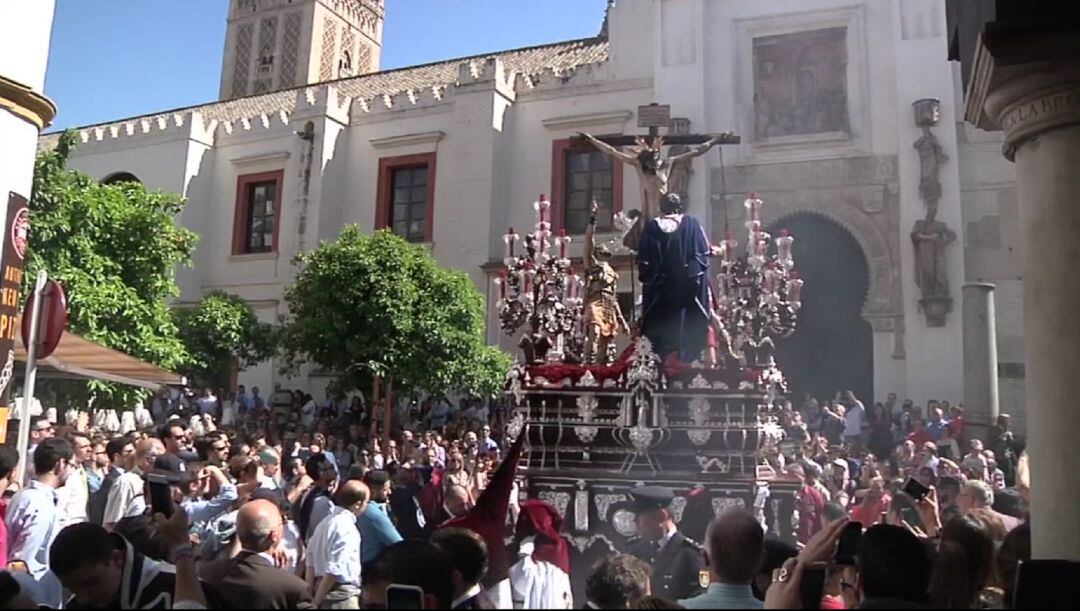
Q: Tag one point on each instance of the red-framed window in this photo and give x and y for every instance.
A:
(406, 198)
(257, 221)
(579, 175)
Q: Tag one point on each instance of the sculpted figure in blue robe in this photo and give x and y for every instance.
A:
(673, 262)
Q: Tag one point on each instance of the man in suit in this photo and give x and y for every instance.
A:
(676, 560)
(468, 554)
(121, 453)
(253, 580)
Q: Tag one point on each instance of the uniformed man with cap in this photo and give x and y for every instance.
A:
(676, 561)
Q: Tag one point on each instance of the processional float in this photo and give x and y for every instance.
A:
(598, 427)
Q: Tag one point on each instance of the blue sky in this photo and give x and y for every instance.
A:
(118, 58)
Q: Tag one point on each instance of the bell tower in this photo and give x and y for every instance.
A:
(278, 44)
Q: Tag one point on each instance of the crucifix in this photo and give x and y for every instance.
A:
(643, 152)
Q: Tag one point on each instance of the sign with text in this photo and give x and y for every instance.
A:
(16, 240)
(654, 115)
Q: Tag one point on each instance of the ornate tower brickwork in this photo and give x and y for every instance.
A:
(278, 44)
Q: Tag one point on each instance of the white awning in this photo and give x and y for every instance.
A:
(78, 357)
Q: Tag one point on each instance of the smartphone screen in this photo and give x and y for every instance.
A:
(1047, 584)
(812, 588)
(914, 489)
(404, 597)
(160, 495)
(848, 547)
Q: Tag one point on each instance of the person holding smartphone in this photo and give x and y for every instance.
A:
(891, 570)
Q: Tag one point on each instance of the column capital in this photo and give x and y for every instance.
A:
(1024, 83)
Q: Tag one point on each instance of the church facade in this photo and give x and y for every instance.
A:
(309, 136)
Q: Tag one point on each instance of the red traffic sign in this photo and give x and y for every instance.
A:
(51, 321)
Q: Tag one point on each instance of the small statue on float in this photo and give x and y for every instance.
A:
(604, 319)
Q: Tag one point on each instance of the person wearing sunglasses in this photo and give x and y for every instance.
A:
(174, 436)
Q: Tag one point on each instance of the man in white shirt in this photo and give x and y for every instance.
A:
(333, 558)
(854, 418)
(270, 460)
(308, 412)
(74, 497)
(126, 497)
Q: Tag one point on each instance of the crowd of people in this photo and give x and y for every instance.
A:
(285, 502)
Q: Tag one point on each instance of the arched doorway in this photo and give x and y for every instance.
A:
(832, 348)
(119, 177)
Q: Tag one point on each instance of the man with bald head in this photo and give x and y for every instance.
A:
(333, 555)
(253, 579)
(456, 503)
(735, 547)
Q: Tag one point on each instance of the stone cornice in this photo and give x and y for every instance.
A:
(281, 156)
(619, 117)
(25, 103)
(432, 137)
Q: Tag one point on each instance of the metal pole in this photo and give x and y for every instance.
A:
(30, 378)
(388, 419)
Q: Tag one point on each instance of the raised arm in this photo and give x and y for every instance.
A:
(590, 238)
(697, 151)
(609, 150)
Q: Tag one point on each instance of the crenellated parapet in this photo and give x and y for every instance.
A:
(401, 101)
(420, 88)
(321, 101)
(188, 124)
(261, 123)
(557, 77)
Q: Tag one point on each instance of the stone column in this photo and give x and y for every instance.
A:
(1037, 104)
(25, 28)
(24, 48)
(980, 359)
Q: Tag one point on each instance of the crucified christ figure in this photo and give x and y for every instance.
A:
(653, 171)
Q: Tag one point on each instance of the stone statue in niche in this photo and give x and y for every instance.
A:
(800, 84)
(930, 238)
(679, 176)
(931, 154)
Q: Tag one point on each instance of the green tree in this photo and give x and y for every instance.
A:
(114, 249)
(375, 304)
(219, 331)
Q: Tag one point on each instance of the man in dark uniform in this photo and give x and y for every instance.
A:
(676, 561)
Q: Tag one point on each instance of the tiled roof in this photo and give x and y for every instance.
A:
(527, 61)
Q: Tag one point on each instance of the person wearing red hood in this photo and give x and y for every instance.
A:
(487, 518)
(541, 577)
